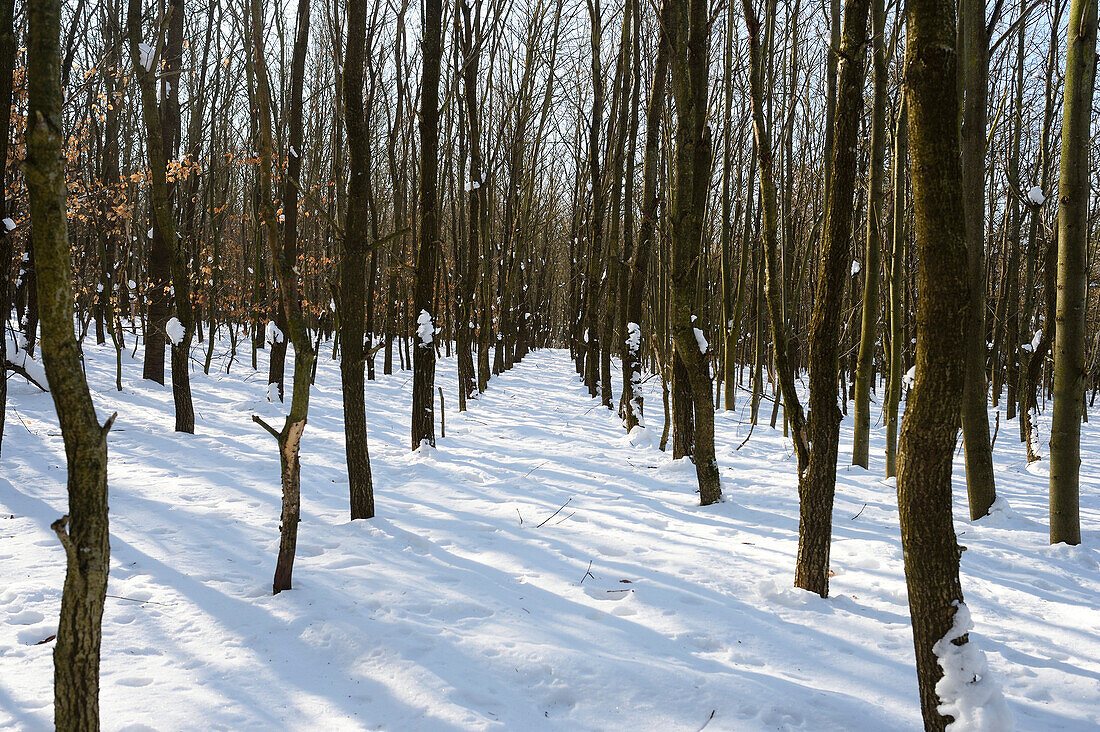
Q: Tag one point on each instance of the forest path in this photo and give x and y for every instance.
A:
(631, 607)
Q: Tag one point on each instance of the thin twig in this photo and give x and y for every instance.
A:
(134, 599)
(554, 514)
(534, 469)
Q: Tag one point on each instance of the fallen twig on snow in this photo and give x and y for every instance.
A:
(554, 514)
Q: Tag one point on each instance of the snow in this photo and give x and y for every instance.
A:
(273, 334)
(967, 692)
(174, 329)
(634, 338)
(454, 609)
(9, 225)
(19, 357)
(132, 285)
(910, 377)
(424, 328)
(701, 340)
(855, 267)
(1035, 196)
(147, 56)
(1038, 336)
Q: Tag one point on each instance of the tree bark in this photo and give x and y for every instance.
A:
(817, 484)
(353, 268)
(427, 257)
(84, 531)
(865, 373)
(980, 483)
(692, 161)
(781, 334)
(931, 425)
(1069, 337)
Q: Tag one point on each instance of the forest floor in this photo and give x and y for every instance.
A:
(538, 570)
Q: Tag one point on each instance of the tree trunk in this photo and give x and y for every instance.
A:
(7, 65)
(353, 268)
(897, 281)
(693, 154)
(423, 397)
(1069, 337)
(817, 485)
(289, 437)
(83, 532)
(639, 261)
(931, 425)
(774, 286)
(865, 374)
(980, 482)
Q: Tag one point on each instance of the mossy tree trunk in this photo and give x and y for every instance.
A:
(1069, 337)
(980, 482)
(931, 425)
(84, 531)
(689, 39)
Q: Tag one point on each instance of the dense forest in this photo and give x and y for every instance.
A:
(809, 216)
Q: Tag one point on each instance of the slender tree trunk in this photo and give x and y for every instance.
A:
(423, 398)
(83, 532)
(289, 437)
(353, 267)
(897, 282)
(781, 335)
(865, 374)
(693, 154)
(818, 484)
(162, 134)
(639, 262)
(1069, 337)
(980, 482)
(7, 65)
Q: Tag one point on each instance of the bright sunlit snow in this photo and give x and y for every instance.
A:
(539, 569)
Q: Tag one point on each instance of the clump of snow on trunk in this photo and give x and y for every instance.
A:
(175, 330)
(701, 340)
(1035, 195)
(424, 328)
(273, 335)
(966, 691)
(634, 337)
(148, 56)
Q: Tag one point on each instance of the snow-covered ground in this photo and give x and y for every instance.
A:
(470, 604)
